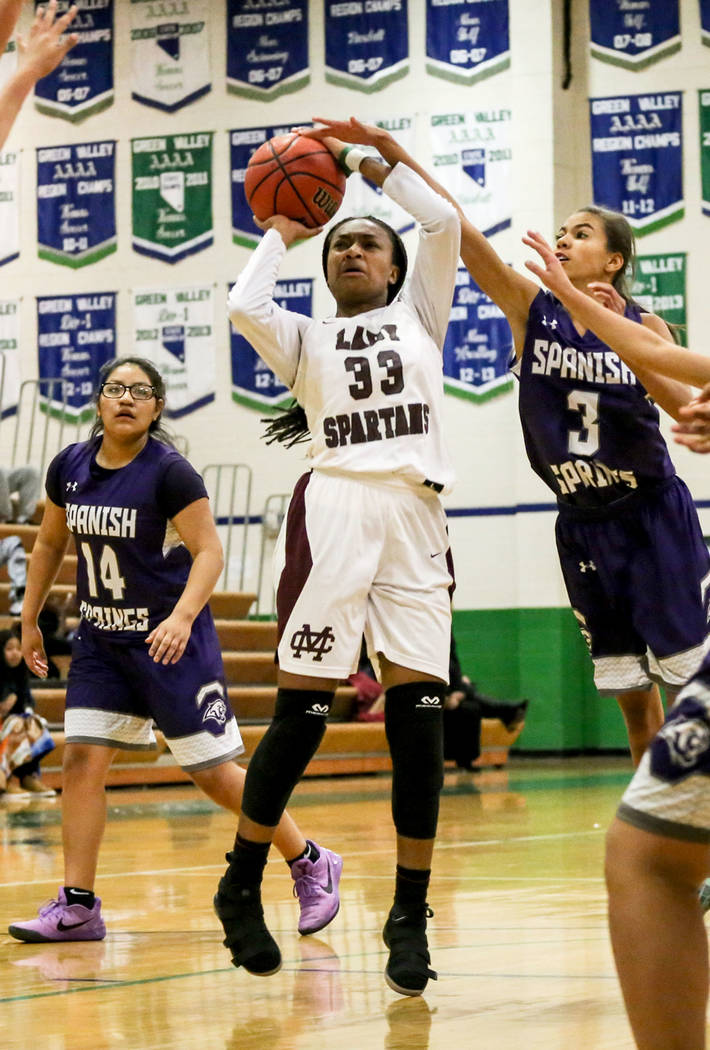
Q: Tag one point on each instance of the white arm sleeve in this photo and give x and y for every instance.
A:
(431, 287)
(274, 333)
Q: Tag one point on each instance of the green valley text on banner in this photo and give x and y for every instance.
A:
(172, 195)
(637, 157)
(659, 286)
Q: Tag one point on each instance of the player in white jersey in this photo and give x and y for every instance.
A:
(658, 847)
(364, 546)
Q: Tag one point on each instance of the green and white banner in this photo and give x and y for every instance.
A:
(170, 48)
(174, 329)
(172, 195)
(472, 158)
(659, 286)
(9, 356)
(364, 198)
(704, 111)
(9, 205)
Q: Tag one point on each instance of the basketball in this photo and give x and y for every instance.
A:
(294, 176)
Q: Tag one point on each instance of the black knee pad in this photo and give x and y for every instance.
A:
(414, 725)
(285, 750)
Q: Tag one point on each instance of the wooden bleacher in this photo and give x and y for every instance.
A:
(248, 653)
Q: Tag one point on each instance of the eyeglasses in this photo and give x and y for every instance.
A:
(138, 391)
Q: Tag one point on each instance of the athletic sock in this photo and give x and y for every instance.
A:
(86, 898)
(311, 852)
(247, 862)
(411, 887)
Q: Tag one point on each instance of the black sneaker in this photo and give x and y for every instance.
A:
(251, 945)
(408, 969)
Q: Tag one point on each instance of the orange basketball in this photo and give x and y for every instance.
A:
(294, 176)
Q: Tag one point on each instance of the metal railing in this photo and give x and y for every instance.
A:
(229, 488)
(43, 425)
(271, 520)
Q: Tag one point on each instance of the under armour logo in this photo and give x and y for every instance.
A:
(550, 324)
(584, 565)
(72, 486)
(316, 643)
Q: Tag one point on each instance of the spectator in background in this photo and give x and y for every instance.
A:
(24, 737)
(40, 52)
(12, 554)
(19, 492)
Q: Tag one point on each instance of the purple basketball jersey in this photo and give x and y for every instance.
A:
(129, 575)
(591, 432)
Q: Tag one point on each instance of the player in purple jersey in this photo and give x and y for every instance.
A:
(658, 847)
(631, 548)
(146, 648)
(364, 548)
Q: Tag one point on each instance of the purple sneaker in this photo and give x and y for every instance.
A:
(316, 886)
(59, 921)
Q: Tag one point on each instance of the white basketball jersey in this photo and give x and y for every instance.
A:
(371, 385)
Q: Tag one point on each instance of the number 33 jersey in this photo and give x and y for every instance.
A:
(372, 384)
(591, 432)
(131, 564)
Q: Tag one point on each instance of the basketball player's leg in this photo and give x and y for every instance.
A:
(83, 810)
(643, 714)
(658, 935)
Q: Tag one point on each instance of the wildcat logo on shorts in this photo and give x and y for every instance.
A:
(313, 643)
(687, 741)
(210, 701)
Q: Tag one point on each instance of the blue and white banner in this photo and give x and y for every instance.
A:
(478, 344)
(705, 21)
(170, 48)
(634, 34)
(76, 206)
(267, 48)
(76, 335)
(242, 143)
(9, 356)
(637, 162)
(82, 83)
(364, 198)
(253, 382)
(472, 159)
(174, 329)
(366, 43)
(9, 205)
(467, 40)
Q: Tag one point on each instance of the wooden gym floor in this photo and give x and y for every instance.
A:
(519, 934)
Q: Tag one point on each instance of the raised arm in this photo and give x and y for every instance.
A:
(510, 291)
(40, 52)
(639, 345)
(9, 13)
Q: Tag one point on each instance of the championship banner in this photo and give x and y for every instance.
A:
(253, 382)
(637, 163)
(633, 35)
(478, 344)
(467, 40)
(659, 286)
(82, 83)
(76, 207)
(172, 195)
(364, 198)
(175, 330)
(9, 356)
(472, 159)
(9, 206)
(705, 21)
(366, 43)
(267, 50)
(76, 335)
(704, 111)
(170, 49)
(242, 143)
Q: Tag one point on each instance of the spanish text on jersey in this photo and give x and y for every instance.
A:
(101, 521)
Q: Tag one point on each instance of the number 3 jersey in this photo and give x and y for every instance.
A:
(131, 564)
(371, 385)
(591, 432)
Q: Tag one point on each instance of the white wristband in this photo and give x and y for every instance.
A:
(351, 158)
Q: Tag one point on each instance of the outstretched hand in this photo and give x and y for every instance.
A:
(45, 45)
(551, 274)
(694, 429)
(352, 131)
